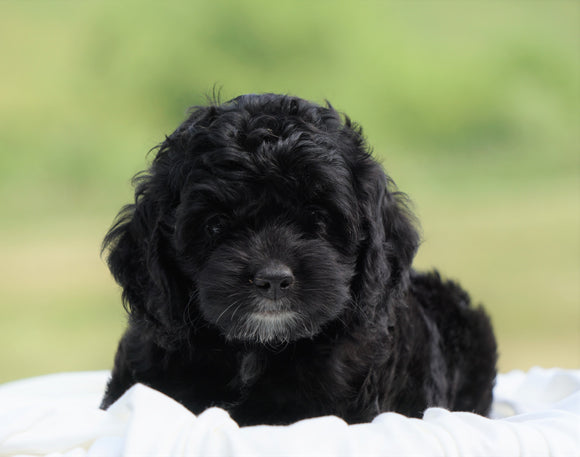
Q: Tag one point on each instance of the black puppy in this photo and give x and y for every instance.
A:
(266, 269)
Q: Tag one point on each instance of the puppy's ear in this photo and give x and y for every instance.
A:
(139, 255)
(391, 235)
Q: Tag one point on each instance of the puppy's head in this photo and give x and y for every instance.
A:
(264, 218)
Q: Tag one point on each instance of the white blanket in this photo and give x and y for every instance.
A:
(535, 414)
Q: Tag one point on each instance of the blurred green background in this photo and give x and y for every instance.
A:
(472, 106)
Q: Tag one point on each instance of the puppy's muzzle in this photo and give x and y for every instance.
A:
(273, 281)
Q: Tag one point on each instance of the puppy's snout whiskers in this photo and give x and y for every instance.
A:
(237, 302)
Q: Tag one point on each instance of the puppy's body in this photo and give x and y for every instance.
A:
(266, 266)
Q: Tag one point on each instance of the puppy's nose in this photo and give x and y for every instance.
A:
(274, 281)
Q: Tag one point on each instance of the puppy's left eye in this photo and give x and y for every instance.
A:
(215, 226)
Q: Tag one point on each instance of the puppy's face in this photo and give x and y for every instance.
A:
(269, 239)
(265, 218)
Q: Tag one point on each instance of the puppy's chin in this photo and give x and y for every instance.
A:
(270, 327)
(267, 322)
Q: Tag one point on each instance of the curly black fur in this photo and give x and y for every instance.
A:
(266, 269)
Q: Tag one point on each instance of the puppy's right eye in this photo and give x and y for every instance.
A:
(318, 220)
(215, 226)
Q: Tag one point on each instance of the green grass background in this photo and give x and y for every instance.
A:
(473, 107)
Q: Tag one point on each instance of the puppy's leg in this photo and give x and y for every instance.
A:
(466, 347)
(121, 377)
(475, 393)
